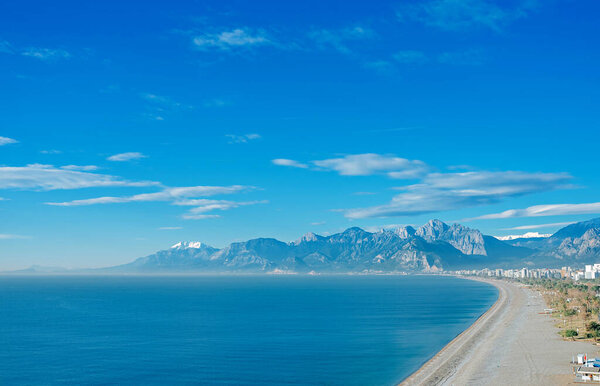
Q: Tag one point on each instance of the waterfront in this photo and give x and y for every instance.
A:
(234, 329)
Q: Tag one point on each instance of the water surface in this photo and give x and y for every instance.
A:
(359, 330)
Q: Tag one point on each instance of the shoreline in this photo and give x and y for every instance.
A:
(435, 370)
(511, 343)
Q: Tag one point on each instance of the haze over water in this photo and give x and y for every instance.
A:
(229, 330)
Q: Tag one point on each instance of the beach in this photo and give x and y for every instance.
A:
(512, 343)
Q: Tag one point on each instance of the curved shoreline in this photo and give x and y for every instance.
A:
(445, 363)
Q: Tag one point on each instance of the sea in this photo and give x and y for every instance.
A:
(229, 330)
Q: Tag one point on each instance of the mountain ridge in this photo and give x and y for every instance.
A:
(433, 247)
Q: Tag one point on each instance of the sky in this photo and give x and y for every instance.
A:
(126, 127)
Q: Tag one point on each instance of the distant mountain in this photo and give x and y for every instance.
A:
(431, 247)
(577, 243)
(577, 229)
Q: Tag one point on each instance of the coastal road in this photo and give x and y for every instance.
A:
(511, 344)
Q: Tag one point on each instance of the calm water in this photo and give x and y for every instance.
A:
(229, 330)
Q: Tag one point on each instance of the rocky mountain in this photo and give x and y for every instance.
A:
(576, 243)
(432, 247)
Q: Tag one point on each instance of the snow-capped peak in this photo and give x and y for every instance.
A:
(188, 244)
(307, 237)
(528, 235)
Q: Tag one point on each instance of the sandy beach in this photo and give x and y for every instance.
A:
(511, 344)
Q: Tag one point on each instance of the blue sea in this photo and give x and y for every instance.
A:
(330, 330)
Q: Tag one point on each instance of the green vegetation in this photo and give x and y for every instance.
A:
(570, 333)
(575, 305)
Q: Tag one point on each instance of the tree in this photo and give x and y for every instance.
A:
(570, 333)
(593, 326)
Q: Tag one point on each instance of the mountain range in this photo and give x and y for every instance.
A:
(433, 247)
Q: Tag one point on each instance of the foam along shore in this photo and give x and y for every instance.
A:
(511, 344)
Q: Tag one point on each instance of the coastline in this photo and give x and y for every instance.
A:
(442, 365)
(511, 343)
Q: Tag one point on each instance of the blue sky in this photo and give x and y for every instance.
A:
(125, 128)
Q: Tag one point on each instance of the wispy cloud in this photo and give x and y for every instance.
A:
(447, 191)
(454, 15)
(46, 54)
(176, 195)
(340, 39)
(371, 163)
(160, 106)
(181, 196)
(203, 207)
(85, 168)
(7, 141)
(545, 210)
(232, 39)
(51, 151)
(41, 53)
(244, 138)
(169, 228)
(5, 236)
(163, 100)
(48, 177)
(215, 102)
(539, 226)
(129, 156)
(289, 162)
(365, 164)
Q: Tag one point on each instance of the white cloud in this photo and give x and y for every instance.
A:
(215, 102)
(126, 156)
(6, 141)
(85, 168)
(289, 162)
(46, 53)
(163, 101)
(364, 165)
(200, 212)
(244, 138)
(173, 194)
(236, 38)
(48, 177)
(5, 236)
(370, 163)
(545, 210)
(181, 196)
(455, 15)
(339, 39)
(159, 106)
(446, 191)
(199, 216)
(538, 226)
(50, 151)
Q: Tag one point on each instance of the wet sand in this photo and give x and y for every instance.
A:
(511, 344)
